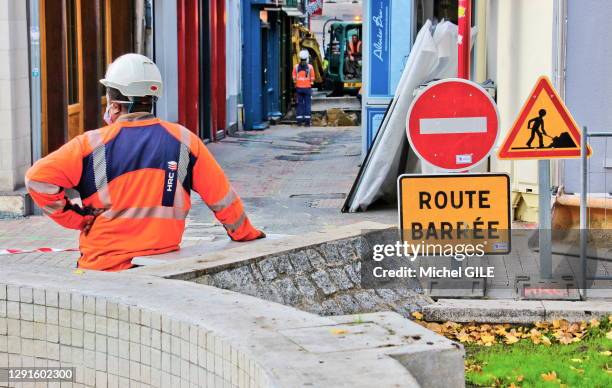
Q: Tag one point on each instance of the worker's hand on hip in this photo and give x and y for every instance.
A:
(89, 220)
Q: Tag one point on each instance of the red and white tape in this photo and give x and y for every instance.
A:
(37, 250)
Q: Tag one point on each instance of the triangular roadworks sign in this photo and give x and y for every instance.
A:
(544, 128)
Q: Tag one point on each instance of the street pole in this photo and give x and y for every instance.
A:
(544, 216)
(464, 21)
(464, 24)
(544, 193)
(583, 211)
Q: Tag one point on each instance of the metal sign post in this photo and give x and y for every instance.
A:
(544, 108)
(464, 13)
(583, 213)
(544, 215)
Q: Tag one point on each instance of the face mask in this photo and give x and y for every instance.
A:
(107, 117)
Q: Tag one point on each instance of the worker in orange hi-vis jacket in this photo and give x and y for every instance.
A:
(134, 177)
(303, 77)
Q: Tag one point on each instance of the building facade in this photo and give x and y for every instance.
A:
(266, 59)
(56, 51)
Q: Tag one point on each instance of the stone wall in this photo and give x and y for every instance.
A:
(321, 278)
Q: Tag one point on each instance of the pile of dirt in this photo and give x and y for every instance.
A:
(339, 118)
(333, 117)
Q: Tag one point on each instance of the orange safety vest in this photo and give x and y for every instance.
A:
(353, 49)
(302, 78)
(142, 173)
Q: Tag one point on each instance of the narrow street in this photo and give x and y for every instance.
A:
(292, 179)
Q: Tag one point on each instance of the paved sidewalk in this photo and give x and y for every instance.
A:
(292, 179)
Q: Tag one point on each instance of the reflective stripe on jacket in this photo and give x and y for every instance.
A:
(303, 78)
(142, 173)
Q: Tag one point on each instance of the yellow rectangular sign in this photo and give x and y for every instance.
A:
(453, 209)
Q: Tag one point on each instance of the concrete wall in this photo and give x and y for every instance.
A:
(15, 140)
(519, 50)
(113, 344)
(120, 330)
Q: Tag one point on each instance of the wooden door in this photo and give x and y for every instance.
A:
(77, 44)
(74, 67)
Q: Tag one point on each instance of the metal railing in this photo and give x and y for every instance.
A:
(584, 222)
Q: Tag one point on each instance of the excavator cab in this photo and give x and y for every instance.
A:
(343, 56)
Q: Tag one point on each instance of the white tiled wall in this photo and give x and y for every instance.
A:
(114, 345)
(15, 140)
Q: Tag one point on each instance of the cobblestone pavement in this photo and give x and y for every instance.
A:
(292, 179)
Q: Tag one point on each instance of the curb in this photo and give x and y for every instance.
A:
(515, 311)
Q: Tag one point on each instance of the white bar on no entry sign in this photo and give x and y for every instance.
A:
(440, 126)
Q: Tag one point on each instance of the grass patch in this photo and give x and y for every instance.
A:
(583, 363)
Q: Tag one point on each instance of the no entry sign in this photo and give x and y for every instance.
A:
(453, 124)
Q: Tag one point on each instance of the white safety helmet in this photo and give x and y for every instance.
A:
(304, 55)
(134, 75)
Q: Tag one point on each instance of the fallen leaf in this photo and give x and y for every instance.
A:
(576, 360)
(78, 272)
(550, 376)
(545, 340)
(519, 378)
(594, 322)
(464, 337)
(487, 339)
(609, 335)
(473, 368)
(606, 353)
(417, 315)
(434, 327)
(573, 328)
(339, 331)
(510, 339)
(566, 339)
(578, 370)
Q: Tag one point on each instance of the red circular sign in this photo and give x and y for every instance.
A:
(453, 124)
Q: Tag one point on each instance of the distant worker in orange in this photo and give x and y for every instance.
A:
(303, 77)
(354, 55)
(354, 48)
(134, 177)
